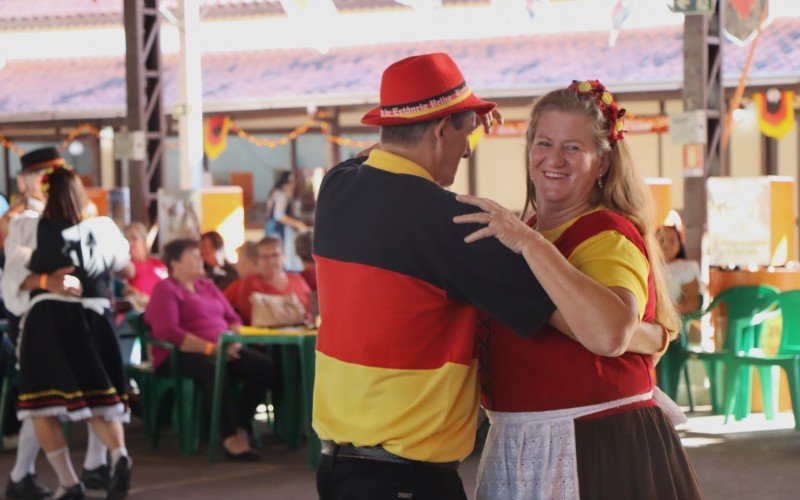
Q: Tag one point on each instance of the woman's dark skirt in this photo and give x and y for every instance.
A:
(633, 455)
(70, 364)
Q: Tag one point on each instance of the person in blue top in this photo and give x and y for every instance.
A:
(281, 222)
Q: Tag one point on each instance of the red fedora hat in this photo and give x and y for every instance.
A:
(422, 88)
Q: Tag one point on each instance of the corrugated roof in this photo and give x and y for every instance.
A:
(644, 60)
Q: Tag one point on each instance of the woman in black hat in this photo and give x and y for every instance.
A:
(70, 362)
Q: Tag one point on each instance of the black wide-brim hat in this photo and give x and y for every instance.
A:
(41, 159)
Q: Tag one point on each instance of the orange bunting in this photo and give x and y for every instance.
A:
(215, 133)
(10, 145)
(85, 128)
(294, 134)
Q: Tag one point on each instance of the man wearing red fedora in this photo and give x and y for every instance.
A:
(396, 389)
(18, 227)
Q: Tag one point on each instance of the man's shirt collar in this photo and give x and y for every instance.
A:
(390, 162)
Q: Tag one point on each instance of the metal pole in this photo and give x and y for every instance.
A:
(7, 165)
(703, 90)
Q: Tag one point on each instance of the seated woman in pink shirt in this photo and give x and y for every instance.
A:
(272, 279)
(188, 310)
(147, 270)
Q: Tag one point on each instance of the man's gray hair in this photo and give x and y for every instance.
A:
(411, 134)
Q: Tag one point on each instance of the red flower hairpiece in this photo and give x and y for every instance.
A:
(49, 171)
(608, 106)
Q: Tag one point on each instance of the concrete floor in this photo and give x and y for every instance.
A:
(750, 459)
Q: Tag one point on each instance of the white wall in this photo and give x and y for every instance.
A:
(500, 172)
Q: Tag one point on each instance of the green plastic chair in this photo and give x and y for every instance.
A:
(672, 360)
(670, 368)
(742, 304)
(787, 358)
(187, 414)
(186, 411)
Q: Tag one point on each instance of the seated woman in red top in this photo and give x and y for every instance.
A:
(147, 270)
(245, 266)
(573, 414)
(188, 310)
(271, 278)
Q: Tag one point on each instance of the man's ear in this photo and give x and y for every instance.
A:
(441, 125)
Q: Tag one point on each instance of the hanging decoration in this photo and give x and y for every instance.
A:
(744, 18)
(83, 129)
(219, 142)
(297, 132)
(10, 145)
(215, 135)
(620, 13)
(86, 128)
(658, 124)
(775, 112)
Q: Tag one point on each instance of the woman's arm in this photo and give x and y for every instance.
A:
(280, 209)
(690, 298)
(129, 271)
(601, 319)
(288, 220)
(163, 314)
(196, 344)
(648, 338)
(60, 282)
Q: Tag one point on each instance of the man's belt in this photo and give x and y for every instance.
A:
(377, 453)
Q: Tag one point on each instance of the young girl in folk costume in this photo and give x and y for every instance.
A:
(573, 413)
(70, 362)
(682, 274)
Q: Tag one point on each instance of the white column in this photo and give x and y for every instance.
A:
(107, 159)
(189, 111)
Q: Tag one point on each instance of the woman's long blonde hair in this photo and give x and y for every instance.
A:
(623, 191)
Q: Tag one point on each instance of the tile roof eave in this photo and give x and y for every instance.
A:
(45, 117)
(37, 24)
(355, 100)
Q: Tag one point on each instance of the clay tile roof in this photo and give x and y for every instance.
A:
(60, 13)
(644, 60)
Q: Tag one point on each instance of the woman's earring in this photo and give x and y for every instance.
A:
(600, 182)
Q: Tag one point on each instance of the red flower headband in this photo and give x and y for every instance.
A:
(608, 106)
(49, 171)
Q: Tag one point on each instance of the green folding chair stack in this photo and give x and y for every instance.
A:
(739, 307)
(768, 366)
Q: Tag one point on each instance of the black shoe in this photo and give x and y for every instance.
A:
(245, 456)
(27, 487)
(74, 492)
(121, 480)
(96, 479)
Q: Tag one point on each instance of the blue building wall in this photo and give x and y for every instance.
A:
(240, 155)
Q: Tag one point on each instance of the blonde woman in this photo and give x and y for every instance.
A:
(573, 414)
